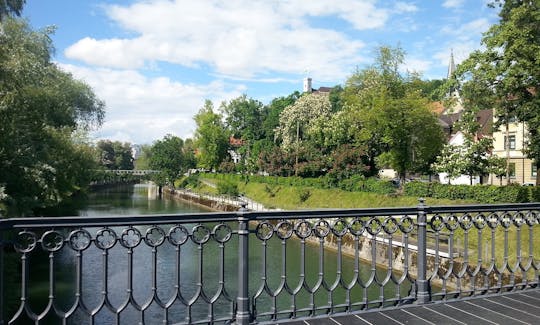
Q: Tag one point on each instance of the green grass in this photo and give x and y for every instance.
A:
(288, 197)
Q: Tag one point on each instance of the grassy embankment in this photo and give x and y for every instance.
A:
(289, 197)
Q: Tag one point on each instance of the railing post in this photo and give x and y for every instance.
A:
(243, 314)
(422, 283)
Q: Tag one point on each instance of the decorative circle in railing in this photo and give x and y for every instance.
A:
(154, 236)
(390, 225)
(465, 221)
(357, 227)
(480, 221)
(493, 221)
(506, 220)
(52, 241)
(451, 222)
(530, 218)
(340, 227)
(284, 229)
(519, 219)
(406, 224)
(200, 235)
(222, 233)
(25, 241)
(105, 238)
(321, 228)
(178, 235)
(437, 223)
(374, 226)
(80, 239)
(303, 229)
(131, 237)
(264, 230)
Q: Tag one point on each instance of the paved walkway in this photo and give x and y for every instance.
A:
(521, 307)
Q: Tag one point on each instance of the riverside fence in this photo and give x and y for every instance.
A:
(247, 267)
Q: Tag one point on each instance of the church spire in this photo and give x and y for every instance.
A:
(451, 65)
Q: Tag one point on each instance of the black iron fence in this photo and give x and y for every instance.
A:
(260, 266)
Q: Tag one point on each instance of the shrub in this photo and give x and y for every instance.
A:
(228, 188)
(535, 194)
(304, 195)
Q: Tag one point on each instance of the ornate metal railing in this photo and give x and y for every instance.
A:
(260, 266)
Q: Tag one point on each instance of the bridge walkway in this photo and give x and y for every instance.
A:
(518, 308)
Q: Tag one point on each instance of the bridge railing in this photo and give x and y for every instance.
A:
(260, 266)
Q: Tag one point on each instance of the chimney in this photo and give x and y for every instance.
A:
(307, 85)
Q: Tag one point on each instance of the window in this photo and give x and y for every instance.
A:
(511, 141)
(533, 170)
(512, 170)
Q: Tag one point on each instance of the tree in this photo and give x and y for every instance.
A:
(114, 154)
(506, 74)
(10, 8)
(167, 156)
(41, 109)
(273, 112)
(472, 158)
(389, 116)
(211, 138)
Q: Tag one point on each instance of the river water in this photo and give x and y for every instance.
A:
(194, 262)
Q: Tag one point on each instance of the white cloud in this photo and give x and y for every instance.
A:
(141, 109)
(242, 38)
(405, 7)
(417, 65)
(453, 3)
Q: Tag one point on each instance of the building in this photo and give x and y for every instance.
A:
(510, 144)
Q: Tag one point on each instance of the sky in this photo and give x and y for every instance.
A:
(154, 62)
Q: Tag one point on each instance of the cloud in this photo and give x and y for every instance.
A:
(453, 3)
(141, 108)
(242, 38)
(402, 7)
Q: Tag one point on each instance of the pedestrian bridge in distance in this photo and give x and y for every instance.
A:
(136, 172)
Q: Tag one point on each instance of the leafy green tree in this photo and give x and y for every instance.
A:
(472, 158)
(167, 156)
(211, 138)
(41, 108)
(389, 116)
(505, 75)
(243, 118)
(273, 112)
(114, 154)
(10, 8)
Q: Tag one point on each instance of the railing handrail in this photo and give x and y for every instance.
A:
(74, 221)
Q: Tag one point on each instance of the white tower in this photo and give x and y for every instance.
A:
(307, 85)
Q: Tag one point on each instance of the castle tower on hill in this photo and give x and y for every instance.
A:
(307, 85)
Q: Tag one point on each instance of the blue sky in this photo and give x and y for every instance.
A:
(154, 62)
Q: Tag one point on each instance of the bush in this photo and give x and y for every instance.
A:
(304, 195)
(227, 188)
(478, 193)
(535, 194)
(417, 189)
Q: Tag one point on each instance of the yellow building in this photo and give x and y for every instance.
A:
(522, 170)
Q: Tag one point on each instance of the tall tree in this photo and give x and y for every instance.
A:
(114, 154)
(211, 138)
(506, 74)
(389, 116)
(167, 157)
(41, 108)
(10, 8)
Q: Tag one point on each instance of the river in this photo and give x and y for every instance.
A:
(142, 199)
